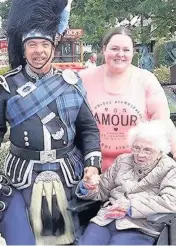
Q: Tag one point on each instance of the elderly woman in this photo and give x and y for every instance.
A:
(136, 186)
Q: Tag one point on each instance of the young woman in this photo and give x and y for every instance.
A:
(122, 95)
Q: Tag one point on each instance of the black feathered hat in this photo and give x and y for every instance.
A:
(31, 19)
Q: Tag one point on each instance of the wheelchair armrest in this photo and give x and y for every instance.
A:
(162, 218)
(79, 205)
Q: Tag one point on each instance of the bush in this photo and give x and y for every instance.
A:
(163, 74)
(4, 70)
(159, 53)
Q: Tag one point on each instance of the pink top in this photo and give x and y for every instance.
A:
(141, 98)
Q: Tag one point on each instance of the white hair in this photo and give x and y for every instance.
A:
(154, 131)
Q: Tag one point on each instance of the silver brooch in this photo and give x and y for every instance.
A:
(70, 77)
(26, 89)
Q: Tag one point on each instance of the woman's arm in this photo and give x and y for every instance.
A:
(144, 204)
(157, 106)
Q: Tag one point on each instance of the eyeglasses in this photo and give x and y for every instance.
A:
(147, 151)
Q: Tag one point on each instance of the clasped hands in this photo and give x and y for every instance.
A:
(91, 178)
(119, 209)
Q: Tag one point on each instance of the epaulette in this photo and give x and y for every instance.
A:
(13, 72)
(70, 76)
(3, 81)
(4, 84)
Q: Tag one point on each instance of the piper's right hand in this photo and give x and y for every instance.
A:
(92, 182)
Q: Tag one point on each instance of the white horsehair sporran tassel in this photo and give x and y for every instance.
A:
(51, 221)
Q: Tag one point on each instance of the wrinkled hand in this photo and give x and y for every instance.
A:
(88, 172)
(91, 177)
(92, 183)
(115, 214)
(119, 209)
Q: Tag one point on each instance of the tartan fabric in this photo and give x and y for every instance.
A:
(69, 104)
(21, 108)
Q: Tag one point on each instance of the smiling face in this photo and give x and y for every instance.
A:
(119, 52)
(38, 53)
(144, 152)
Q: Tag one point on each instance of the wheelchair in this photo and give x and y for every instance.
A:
(90, 208)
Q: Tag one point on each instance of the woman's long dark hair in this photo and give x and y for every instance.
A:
(116, 30)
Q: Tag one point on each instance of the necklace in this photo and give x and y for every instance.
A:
(36, 76)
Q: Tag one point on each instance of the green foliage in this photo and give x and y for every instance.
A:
(135, 60)
(4, 70)
(93, 17)
(163, 74)
(4, 9)
(162, 54)
(156, 18)
(96, 16)
(159, 53)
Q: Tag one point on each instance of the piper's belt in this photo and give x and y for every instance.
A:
(43, 156)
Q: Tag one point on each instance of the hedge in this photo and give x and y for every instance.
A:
(163, 74)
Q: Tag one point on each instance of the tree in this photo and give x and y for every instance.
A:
(92, 17)
(4, 9)
(156, 18)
